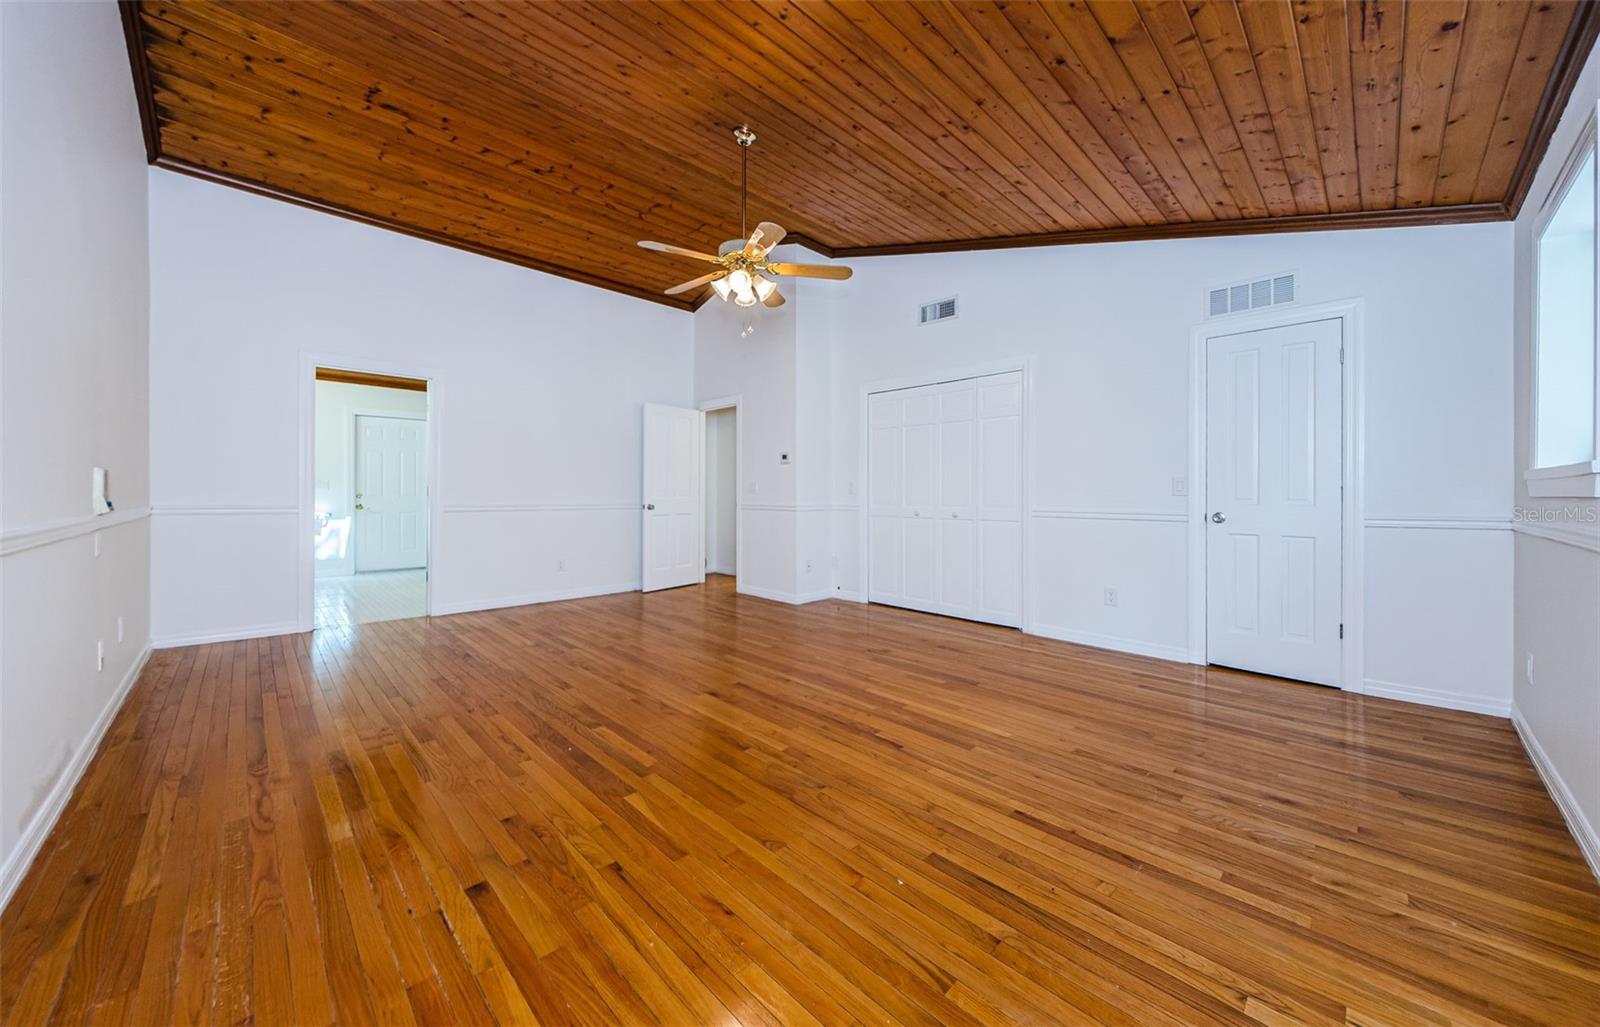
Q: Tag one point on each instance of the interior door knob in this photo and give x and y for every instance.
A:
(649, 506)
(1218, 517)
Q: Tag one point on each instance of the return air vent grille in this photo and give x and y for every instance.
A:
(1263, 292)
(938, 310)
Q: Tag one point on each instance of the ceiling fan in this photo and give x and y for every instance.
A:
(744, 274)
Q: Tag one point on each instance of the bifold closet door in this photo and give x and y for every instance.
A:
(945, 498)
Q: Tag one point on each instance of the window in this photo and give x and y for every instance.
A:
(1565, 383)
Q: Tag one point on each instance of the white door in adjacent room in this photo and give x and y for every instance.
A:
(391, 493)
(673, 532)
(944, 494)
(1274, 416)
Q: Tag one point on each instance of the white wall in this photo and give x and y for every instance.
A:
(536, 383)
(1106, 330)
(337, 405)
(722, 497)
(760, 370)
(1557, 602)
(73, 395)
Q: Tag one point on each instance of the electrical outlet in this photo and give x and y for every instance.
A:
(753, 488)
(1111, 597)
(100, 655)
(850, 488)
(119, 627)
(561, 565)
(808, 566)
(1530, 668)
(1180, 486)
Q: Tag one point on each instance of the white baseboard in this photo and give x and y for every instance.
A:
(533, 598)
(791, 598)
(1116, 643)
(1440, 697)
(849, 596)
(227, 635)
(720, 570)
(1583, 832)
(19, 859)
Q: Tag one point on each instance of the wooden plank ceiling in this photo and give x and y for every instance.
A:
(557, 134)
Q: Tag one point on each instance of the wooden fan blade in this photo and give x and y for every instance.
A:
(696, 283)
(773, 300)
(766, 236)
(835, 271)
(661, 247)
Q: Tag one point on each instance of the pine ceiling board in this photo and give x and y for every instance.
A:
(1542, 36)
(1008, 53)
(1104, 66)
(558, 134)
(1081, 175)
(1433, 46)
(1032, 30)
(1377, 36)
(1258, 192)
(1270, 32)
(1321, 31)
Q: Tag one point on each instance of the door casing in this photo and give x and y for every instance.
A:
(711, 406)
(1351, 315)
(305, 508)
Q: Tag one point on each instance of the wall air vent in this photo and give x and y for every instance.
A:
(938, 310)
(1262, 292)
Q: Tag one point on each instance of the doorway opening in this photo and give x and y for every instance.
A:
(722, 492)
(370, 498)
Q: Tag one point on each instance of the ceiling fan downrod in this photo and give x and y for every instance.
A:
(744, 137)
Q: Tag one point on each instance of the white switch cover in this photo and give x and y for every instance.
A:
(102, 496)
(100, 655)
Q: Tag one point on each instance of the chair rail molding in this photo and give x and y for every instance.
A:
(33, 536)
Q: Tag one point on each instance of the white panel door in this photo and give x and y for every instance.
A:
(999, 497)
(673, 525)
(1274, 413)
(885, 541)
(944, 498)
(391, 493)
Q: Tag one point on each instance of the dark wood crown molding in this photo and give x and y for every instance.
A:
(1581, 35)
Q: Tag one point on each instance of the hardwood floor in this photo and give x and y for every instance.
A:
(694, 807)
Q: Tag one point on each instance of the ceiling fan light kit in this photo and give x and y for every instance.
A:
(745, 272)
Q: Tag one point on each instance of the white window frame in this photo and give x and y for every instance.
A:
(1580, 480)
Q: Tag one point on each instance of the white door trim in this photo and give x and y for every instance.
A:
(1024, 365)
(711, 406)
(305, 506)
(1351, 313)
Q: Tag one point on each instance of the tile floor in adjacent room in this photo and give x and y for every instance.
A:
(370, 597)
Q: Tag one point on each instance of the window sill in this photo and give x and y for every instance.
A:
(1570, 481)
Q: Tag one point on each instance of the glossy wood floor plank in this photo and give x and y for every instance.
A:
(695, 807)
